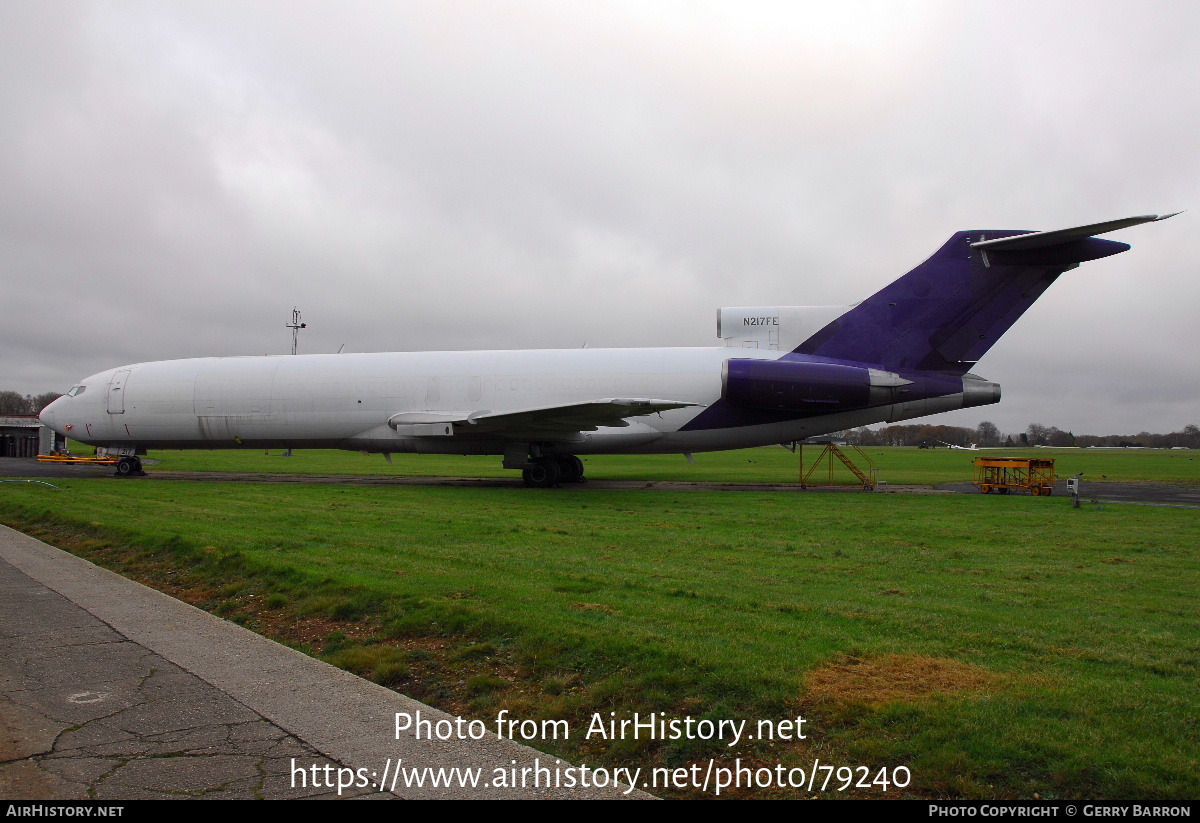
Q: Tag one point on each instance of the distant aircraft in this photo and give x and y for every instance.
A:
(974, 447)
(782, 375)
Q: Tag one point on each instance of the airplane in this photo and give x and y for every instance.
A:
(974, 447)
(783, 374)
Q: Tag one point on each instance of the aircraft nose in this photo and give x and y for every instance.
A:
(51, 415)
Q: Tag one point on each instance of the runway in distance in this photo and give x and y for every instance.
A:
(782, 374)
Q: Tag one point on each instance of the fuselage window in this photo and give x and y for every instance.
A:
(76, 391)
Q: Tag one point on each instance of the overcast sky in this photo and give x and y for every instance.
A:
(176, 176)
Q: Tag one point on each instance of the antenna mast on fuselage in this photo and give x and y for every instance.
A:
(296, 326)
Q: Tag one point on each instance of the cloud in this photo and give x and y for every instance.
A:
(427, 175)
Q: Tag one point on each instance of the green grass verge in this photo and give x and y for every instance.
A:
(718, 605)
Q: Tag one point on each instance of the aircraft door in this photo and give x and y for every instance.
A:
(116, 392)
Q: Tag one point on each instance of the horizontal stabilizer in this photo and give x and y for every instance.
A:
(1044, 239)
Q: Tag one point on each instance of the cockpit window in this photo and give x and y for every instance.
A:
(76, 391)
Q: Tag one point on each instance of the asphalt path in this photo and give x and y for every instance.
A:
(110, 690)
(12, 467)
(1105, 491)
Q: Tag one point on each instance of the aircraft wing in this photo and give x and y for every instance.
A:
(540, 423)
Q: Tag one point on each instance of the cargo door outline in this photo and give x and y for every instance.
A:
(116, 392)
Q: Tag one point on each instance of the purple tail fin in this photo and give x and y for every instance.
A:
(947, 312)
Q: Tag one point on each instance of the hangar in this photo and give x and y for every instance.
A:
(23, 435)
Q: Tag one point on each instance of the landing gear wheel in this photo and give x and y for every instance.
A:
(1003, 490)
(985, 489)
(543, 474)
(130, 467)
(570, 468)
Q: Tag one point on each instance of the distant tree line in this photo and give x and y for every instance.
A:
(987, 435)
(13, 403)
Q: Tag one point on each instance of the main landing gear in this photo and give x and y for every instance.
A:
(549, 470)
(130, 467)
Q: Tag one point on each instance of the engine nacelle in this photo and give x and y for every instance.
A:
(802, 386)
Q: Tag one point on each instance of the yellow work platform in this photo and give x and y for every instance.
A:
(1000, 474)
(60, 457)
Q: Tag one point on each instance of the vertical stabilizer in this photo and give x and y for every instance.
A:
(947, 312)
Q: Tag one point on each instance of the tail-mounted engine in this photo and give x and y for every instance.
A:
(802, 386)
(814, 387)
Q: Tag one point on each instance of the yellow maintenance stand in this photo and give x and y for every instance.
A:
(1000, 474)
(826, 456)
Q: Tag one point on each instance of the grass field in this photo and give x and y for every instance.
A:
(764, 465)
(997, 647)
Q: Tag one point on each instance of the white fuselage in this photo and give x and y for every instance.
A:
(345, 400)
